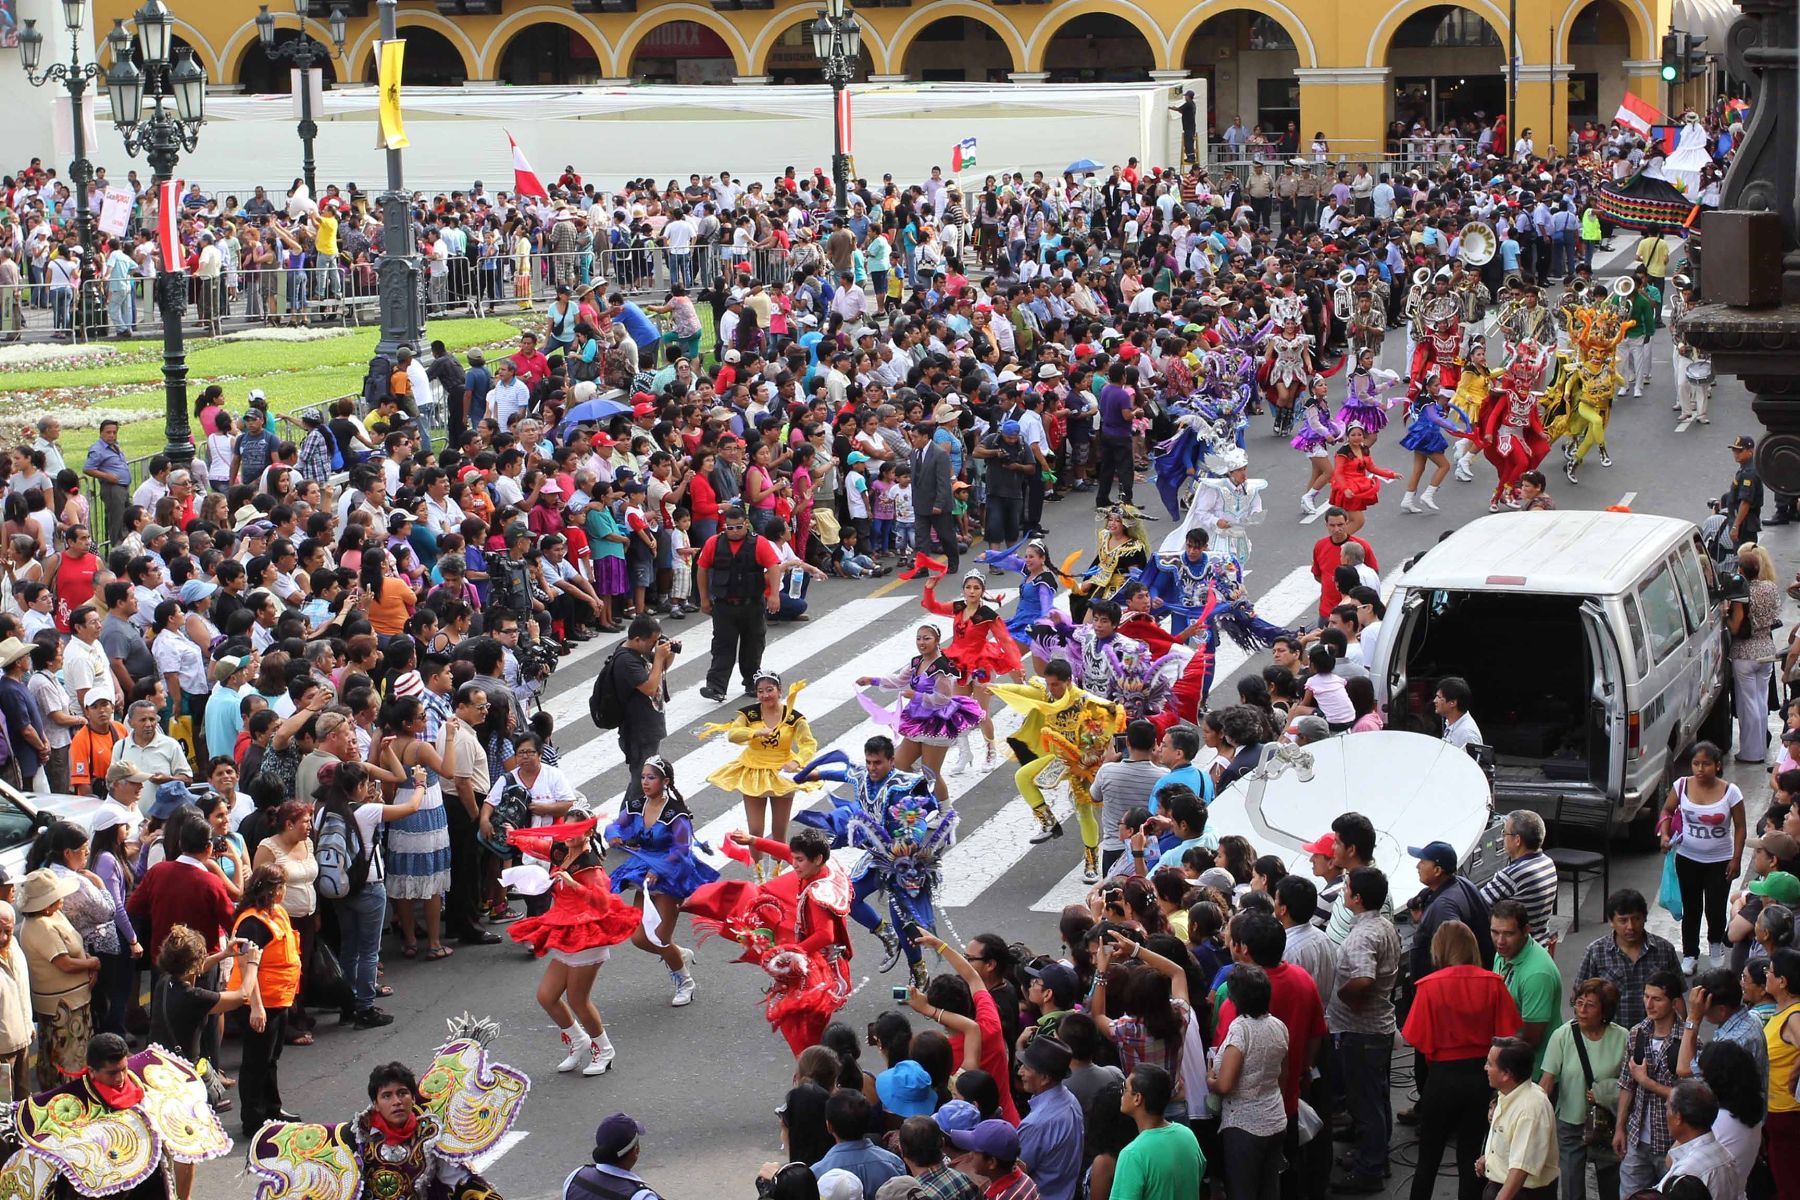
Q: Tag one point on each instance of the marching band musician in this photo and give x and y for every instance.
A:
(1693, 387)
(1524, 318)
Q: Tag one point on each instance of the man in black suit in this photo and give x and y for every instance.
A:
(931, 493)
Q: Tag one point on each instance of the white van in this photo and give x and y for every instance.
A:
(1593, 643)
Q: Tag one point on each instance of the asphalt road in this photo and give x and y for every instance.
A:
(706, 1079)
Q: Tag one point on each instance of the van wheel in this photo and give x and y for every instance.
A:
(1716, 728)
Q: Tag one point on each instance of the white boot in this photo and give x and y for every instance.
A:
(1426, 500)
(1409, 504)
(575, 1041)
(1465, 468)
(964, 759)
(600, 1055)
(1306, 501)
(684, 982)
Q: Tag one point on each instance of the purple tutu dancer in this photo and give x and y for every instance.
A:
(933, 715)
(1365, 405)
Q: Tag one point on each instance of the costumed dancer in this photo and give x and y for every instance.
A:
(1066, 734)
(1318, 433)
(1468, 396)
(1365, 404)
(1582, 402)
(1428, 435)
(656, 832)
(903, 830)
(1512, 425)
(981, 646)
(1287, 361)
(792, 926)
(1356, 480)
(1203, 587)
(584, 921)
(419, 1139)
(1437, 334)
(1225, 505)
(776, 739)
(1037, 595)
(929, 716)
(1096, 649)
(1146, 681)
(1180, 461)
(130, 1126)
(1123, 548)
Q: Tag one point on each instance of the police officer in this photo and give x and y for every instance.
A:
(1743, 503)
(738, 581)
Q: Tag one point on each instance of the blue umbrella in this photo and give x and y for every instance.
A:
(1080, 165)
(594, 410)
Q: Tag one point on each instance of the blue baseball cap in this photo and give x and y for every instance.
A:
(994, 1138)
(1009, 429)
(1441, 853)
(958, 1114)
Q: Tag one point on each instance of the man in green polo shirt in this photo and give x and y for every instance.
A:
(1530, 973)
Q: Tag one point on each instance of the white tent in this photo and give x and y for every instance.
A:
(612, 134)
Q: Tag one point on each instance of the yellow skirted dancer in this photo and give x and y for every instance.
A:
(776, 739)
(1471, 394)
(1065, 736)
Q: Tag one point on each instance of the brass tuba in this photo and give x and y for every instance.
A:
(1479, 243)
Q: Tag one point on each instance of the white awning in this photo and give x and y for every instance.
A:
(1707, 18)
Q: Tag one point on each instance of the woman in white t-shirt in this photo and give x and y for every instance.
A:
(551, 794)
(1247, 1078)
(1703, 825)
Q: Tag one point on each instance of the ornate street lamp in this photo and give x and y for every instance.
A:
(304, 53)
(161, 137)
(837, 43)
(74, 76)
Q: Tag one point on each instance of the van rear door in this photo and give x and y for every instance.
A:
(1605, 721)
(1402, 629)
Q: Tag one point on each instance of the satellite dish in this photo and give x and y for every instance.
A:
(1415, 789)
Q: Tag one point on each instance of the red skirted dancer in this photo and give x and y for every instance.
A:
(584, 921)
(793, 927)
(980, 643)
(1355, 479)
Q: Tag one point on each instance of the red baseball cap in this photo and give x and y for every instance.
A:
(643, 410)
(1327, 844)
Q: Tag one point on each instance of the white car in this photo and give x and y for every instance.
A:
(23, 814)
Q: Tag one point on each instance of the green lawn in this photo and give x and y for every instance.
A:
(293, 374)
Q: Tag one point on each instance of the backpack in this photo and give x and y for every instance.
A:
(605, 706)
(343, 866)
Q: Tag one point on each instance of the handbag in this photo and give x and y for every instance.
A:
(323, 979)
(1668, 894)
(1597, 1126)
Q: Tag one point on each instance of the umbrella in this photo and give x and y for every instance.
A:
(594, 410)
(1080, 165)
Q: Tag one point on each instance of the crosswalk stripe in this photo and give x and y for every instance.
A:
(980, 860)
(594, 757)
(1293, 598)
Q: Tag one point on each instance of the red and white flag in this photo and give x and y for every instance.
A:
(1639, 114)
(843, 118)
(168, 225)
(525, 180)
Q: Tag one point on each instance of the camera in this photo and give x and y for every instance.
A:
(673, 645)
(218, 844)
(899, 994)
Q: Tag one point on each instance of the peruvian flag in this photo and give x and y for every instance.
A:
(525, 180)
(168, 224)
(1638, 114)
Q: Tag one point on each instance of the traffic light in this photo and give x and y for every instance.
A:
(1672, 60)
(1694, 56)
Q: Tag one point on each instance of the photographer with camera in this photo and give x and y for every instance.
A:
(629, 695)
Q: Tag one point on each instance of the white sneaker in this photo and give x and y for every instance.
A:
(1688, 963)
(1637, 391)
(684, 990)
(1715, 953)
(577, 1052)
(600, 1057)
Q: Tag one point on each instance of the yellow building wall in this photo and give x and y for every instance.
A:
(1346, 89)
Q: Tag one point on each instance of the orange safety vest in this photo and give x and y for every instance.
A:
(278, 974)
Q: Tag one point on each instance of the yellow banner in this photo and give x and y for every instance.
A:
(392, 134)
